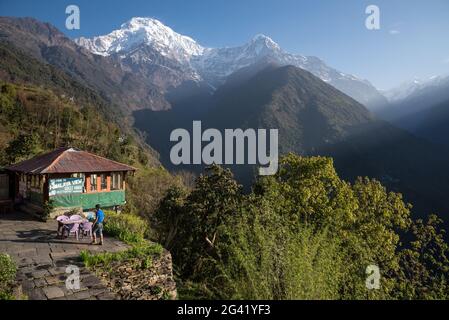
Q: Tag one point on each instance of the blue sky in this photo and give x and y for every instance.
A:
(413, 40)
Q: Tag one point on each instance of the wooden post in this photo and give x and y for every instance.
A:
(99, 182)
(88, 184)
(45, 188)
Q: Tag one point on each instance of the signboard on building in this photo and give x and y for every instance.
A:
(65, 186)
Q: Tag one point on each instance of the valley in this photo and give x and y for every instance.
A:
(313, 119)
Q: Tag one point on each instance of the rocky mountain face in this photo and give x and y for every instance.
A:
(403, 90)
(166, 58)
(421, 107)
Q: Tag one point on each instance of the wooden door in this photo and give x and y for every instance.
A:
(4, 186)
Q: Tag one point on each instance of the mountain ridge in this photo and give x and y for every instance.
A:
(421, 96)
(313, 118)
(213, 65)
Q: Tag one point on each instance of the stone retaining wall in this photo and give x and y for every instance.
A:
(129, 281)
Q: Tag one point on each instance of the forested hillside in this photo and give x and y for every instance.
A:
(46, 108)
(18, 67)
(33, 120)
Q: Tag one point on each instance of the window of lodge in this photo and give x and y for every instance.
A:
(93, 182)
(117, 181)
(34, 181)
(104, 182)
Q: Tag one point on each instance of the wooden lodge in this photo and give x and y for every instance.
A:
(67, 178)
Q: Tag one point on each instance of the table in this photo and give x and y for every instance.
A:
(79, 221)
(70, 222)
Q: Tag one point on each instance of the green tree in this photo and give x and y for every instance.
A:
(170, 217)
(7, 99)
(212, 202)
(301, 234)
(424, 272)
(23, 147)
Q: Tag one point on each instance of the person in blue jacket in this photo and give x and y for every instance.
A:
(98, 224)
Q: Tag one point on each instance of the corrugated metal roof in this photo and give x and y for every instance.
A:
(68, 160)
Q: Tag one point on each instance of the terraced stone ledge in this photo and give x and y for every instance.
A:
(42, 260)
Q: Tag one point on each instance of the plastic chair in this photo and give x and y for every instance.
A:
(61, 219)
(86, 229)
(74, 228)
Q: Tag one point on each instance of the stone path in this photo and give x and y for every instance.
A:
(42, 259)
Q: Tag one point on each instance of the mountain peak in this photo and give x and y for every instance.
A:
(261, 37)
(265, 41)
(137, 22)
(147, 31)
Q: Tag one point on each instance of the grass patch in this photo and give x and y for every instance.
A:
(130, 229)
(142, 252)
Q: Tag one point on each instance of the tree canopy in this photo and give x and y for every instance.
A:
(301, 234)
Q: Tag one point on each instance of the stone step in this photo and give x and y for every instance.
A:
(50, 284)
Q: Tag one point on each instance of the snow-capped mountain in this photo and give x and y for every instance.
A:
(409, 88)
(403, 90)
(166, 58)
(221, 62)
(147, 31)
(414, 97)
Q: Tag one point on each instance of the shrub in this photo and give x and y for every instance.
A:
(48, 208)
(147, 187)
(8, 271)
(126, 227)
